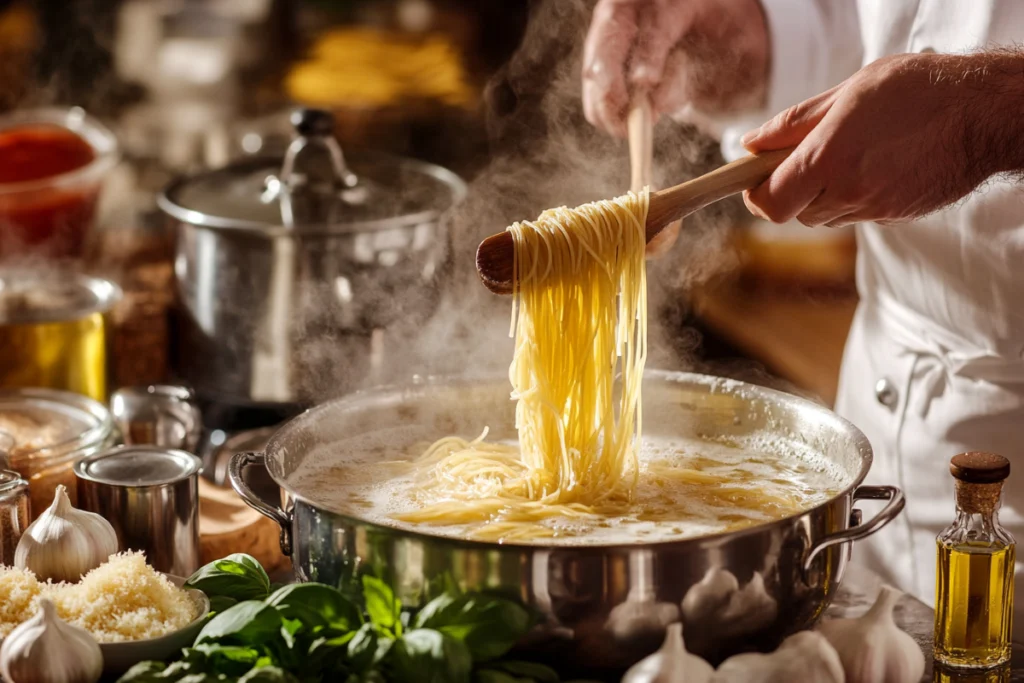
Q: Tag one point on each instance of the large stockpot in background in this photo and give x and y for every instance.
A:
(604, 606)
(286, 269)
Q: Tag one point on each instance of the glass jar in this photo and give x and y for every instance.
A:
(51, 431)
(14, 513)
(55, 163)
(55, 330)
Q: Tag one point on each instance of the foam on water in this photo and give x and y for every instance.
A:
(367, 477)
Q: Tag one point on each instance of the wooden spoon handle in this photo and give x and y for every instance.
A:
(680, 201)
(641, 145)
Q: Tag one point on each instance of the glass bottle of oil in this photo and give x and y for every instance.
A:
(974, 585)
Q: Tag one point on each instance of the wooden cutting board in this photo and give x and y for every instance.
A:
(227, 525)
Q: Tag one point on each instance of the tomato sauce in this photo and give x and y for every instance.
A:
(47, 218)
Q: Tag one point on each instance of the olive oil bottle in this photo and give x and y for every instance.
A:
(974, 582)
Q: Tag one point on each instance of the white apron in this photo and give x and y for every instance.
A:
(934, 364)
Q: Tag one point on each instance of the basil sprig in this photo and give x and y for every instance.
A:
(311, 632)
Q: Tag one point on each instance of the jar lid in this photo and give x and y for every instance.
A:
(40, 423)
(45, 295)
(138, 466)
(12, 485)
(976, 467)
(314, 188)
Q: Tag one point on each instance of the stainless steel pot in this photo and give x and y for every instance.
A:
(601, 607)
(286, 268)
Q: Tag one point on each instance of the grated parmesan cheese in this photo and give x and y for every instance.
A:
(19, 593)
(123, 599)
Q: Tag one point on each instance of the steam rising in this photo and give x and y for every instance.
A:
(545, 154)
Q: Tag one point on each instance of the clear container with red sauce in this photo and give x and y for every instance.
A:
(52, 166)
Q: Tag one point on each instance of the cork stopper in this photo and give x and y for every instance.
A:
(979, 480)
(979, 468)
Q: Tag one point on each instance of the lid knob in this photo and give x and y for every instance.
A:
(979, 468)
(310, 122)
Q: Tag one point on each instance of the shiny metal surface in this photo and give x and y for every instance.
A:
(157, 415)
(600, 607)
(254, 293)
(150, 495)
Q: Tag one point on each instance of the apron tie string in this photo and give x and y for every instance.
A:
(941, 355)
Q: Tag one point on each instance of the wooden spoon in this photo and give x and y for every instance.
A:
(495, 255)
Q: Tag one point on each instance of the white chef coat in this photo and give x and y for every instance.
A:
(934, 364)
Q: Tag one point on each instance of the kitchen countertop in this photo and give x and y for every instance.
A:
(799, 337)
(857, 594)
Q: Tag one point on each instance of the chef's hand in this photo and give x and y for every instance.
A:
(707, 55)
(904, 136)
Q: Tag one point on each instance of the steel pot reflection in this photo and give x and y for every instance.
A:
(601, 607)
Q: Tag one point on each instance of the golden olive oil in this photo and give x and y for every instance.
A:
(974, 604)
(974, 569)
(69, 355)
(55, 331)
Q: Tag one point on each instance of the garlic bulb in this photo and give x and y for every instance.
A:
(65, 543)
(806, 657)
(671, 664)
(45, 649)
(873, 649)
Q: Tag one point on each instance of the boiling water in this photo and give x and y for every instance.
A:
(741, 484)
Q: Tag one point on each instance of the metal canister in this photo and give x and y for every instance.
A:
(150, 495)
(55, 330)
(14, 513)
(157, 415)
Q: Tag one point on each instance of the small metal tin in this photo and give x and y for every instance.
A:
(150, 495)
(157, 415)
(14, 513)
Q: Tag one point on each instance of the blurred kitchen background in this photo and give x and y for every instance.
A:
(468, 85)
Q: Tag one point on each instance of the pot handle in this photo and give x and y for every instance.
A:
(239, 462)
(862, 530)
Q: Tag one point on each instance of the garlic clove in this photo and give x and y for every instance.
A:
(872, 648)
(64, 543)
(671, 664)
(45, 649)
(806, 657)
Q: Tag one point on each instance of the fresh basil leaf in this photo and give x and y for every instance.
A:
(437, 612)
(428, 656)
(362, 648)
(381, 604)
(268, 674)
(219, 603)
(488, 625)
(247, 623)
(237, 576)
(532, 670)
(224, 659)
(316, 604)
(143, 672)
(492, 676)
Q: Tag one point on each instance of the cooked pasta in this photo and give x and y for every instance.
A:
(580, 325)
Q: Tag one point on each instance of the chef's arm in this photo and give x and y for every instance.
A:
(902, 137)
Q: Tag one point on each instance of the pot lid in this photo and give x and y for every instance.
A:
(314, 188)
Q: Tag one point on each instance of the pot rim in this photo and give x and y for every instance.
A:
(860, 441)
(168, 205)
